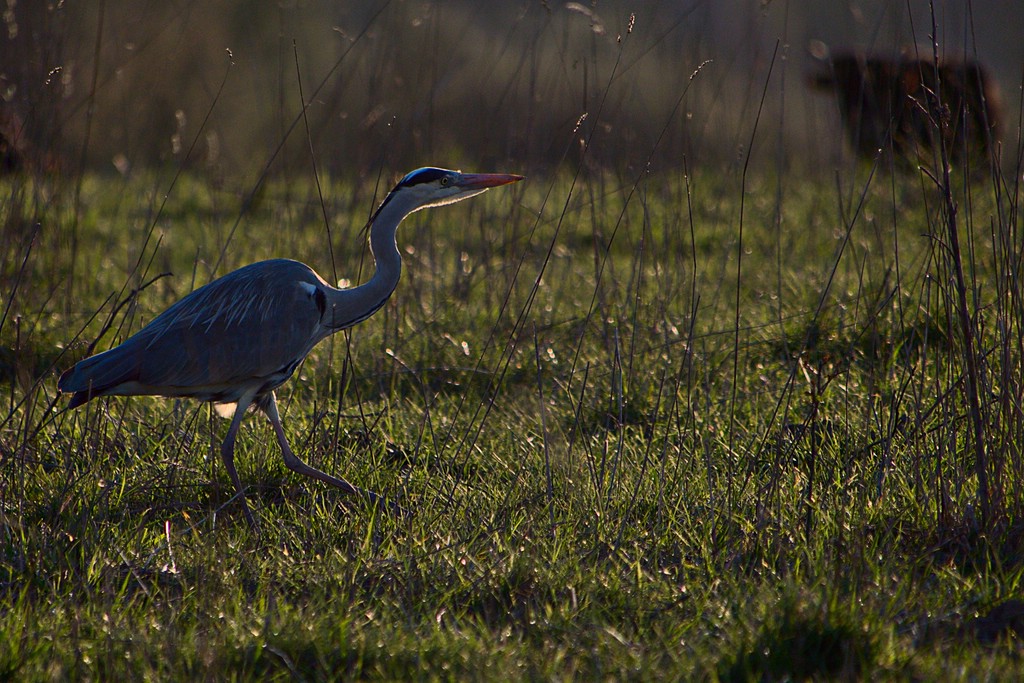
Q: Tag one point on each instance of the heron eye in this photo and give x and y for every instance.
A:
(444, 181)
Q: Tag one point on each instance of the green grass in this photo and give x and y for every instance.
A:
(617, 476)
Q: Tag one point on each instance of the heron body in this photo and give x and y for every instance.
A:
(245, 331)
(236, 339)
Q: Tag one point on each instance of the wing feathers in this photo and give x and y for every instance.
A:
(251, 325)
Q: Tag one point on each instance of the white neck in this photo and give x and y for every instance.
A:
(351, 306)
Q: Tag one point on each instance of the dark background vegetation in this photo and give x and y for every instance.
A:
(129, 83)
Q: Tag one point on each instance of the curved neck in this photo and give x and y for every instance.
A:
(351, 306)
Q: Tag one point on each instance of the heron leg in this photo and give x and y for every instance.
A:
(227, 453)
(295, 464)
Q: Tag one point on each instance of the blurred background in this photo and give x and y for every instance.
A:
(117, 85)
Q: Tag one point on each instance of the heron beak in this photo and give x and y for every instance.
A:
(482, 181)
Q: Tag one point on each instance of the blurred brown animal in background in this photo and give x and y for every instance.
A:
(13, 146)
(908, 105)
(17, 153)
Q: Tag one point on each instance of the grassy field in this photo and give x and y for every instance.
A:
(652, 427)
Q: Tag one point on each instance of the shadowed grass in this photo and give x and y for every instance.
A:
(578, 514)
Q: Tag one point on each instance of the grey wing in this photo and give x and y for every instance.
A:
(253, 324)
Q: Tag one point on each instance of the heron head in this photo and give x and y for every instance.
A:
(426, 187)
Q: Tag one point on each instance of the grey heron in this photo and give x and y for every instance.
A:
(238, 338)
